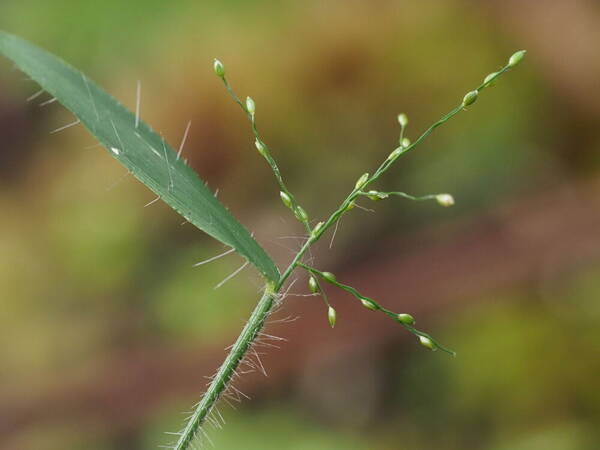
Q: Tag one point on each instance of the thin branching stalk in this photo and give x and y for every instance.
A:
(261, 146)
(257, 320)
(403, 319)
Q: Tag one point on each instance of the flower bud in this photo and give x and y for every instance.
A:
(402, 120)
(261, 148)
(369, 304)
(487, 80)
(219, 68)
(406, 319)
(301, 214)
(444, 200)
(250, 106)
(331, 316)
(313, 284)
(470, 98)
(405, 142)
(328, 276)
(373, 195)
(395, 154)
(287, 201)
(426, 342)
(362, 180)
(516, 58)
(317, 228)
(376, 195)
(350, 206)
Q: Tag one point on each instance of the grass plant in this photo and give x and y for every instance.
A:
(147, 155)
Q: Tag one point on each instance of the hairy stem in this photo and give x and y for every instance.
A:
(227, 369)
(263, 308)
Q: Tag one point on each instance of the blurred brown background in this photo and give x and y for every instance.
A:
(106, 330)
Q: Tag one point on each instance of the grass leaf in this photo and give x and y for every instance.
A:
(140, 149)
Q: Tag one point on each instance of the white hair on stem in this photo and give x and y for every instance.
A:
(363, 208)
(229, 277)
(69, 125)
(214, 258)
(36, 95)
(152, 201)
(48, 102)
(185, 135)
(337, 224)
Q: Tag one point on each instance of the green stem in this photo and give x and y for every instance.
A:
(238, 351)
(263, 308)
(382, 195)
(227, 369)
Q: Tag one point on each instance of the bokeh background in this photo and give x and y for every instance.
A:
(106, 330)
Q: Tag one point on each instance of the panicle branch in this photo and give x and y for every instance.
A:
(253, 328)
(404, 319)
(249, 107)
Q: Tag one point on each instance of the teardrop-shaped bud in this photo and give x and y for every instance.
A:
(331, 316)
(376, 195)
(395, 153)
(315, 231)
(328, 276)
(260, 147)
(470, 98)
(250, 105)
(313, 284)
(373, 195)
(405, 142)
(287, 201)
(426, 342)
(488, 80)
(219, 68)
(301, 214)
(402, 120)
(369, 304)
(445, 200)
(516, 58)
(362, 180)
(406, 319)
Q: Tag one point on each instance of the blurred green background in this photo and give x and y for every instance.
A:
(106, 330)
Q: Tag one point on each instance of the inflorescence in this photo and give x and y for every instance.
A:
(241, 348)
(360, 189)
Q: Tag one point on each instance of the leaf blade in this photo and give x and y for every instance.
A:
(143, 151)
